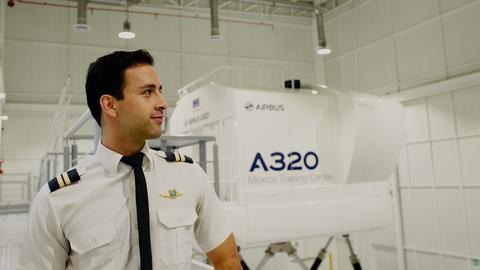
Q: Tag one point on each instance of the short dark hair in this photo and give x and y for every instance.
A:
(106, 76)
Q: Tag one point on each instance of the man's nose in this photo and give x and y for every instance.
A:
(161, 103)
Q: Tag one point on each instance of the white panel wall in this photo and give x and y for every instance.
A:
(375, 64)
(416, 62)
(382, 46)
(42, 49)
(440, 180)
(387, 46)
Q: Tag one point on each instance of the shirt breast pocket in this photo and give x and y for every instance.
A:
(176, 234)
(94, 247)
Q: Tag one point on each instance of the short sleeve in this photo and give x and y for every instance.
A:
(45, 247)
(212, 226)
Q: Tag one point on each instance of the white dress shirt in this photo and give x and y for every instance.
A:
(91, 224)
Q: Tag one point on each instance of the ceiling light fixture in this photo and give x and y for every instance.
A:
(4, 117)
(214, 28)
(2, 95)
(322, 48)
(82, 25)
(126, 33)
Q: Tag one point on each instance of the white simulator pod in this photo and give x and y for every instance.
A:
(295, 165)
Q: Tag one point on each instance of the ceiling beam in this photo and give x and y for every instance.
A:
(252, 6)
(275, 10)
(224, 4)
(193, 2)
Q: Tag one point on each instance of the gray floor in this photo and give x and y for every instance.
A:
(12, 233)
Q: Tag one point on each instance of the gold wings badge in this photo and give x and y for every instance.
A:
(172, 194)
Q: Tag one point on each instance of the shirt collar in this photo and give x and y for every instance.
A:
(110, 159)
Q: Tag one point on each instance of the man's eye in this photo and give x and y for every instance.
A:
(147, 92)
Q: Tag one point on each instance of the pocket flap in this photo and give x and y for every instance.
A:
(84, 241)
(176, 217)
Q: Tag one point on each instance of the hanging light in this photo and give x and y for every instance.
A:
(322, 48)
(82, 25)
(214, 28)
(126, 33)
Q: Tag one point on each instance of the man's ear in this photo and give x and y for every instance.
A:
(109, 105)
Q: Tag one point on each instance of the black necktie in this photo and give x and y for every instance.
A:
(143, 217)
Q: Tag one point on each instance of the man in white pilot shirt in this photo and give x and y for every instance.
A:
(86, 218)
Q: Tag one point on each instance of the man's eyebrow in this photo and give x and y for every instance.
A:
(149, 86)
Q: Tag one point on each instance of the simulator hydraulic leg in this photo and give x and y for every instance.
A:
(242, 261)
(353, 258)
(281, 247)
(321, 255)
(268, 255)
(244, 265)
(298, 259)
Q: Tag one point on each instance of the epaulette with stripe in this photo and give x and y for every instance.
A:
(177, 157)
(63, 180)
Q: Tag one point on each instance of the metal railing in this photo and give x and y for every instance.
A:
(16, 194)
(54, 141)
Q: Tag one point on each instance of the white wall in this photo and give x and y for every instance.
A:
(440, 177)
(382, 46)
(391, 46)
(42, 49)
